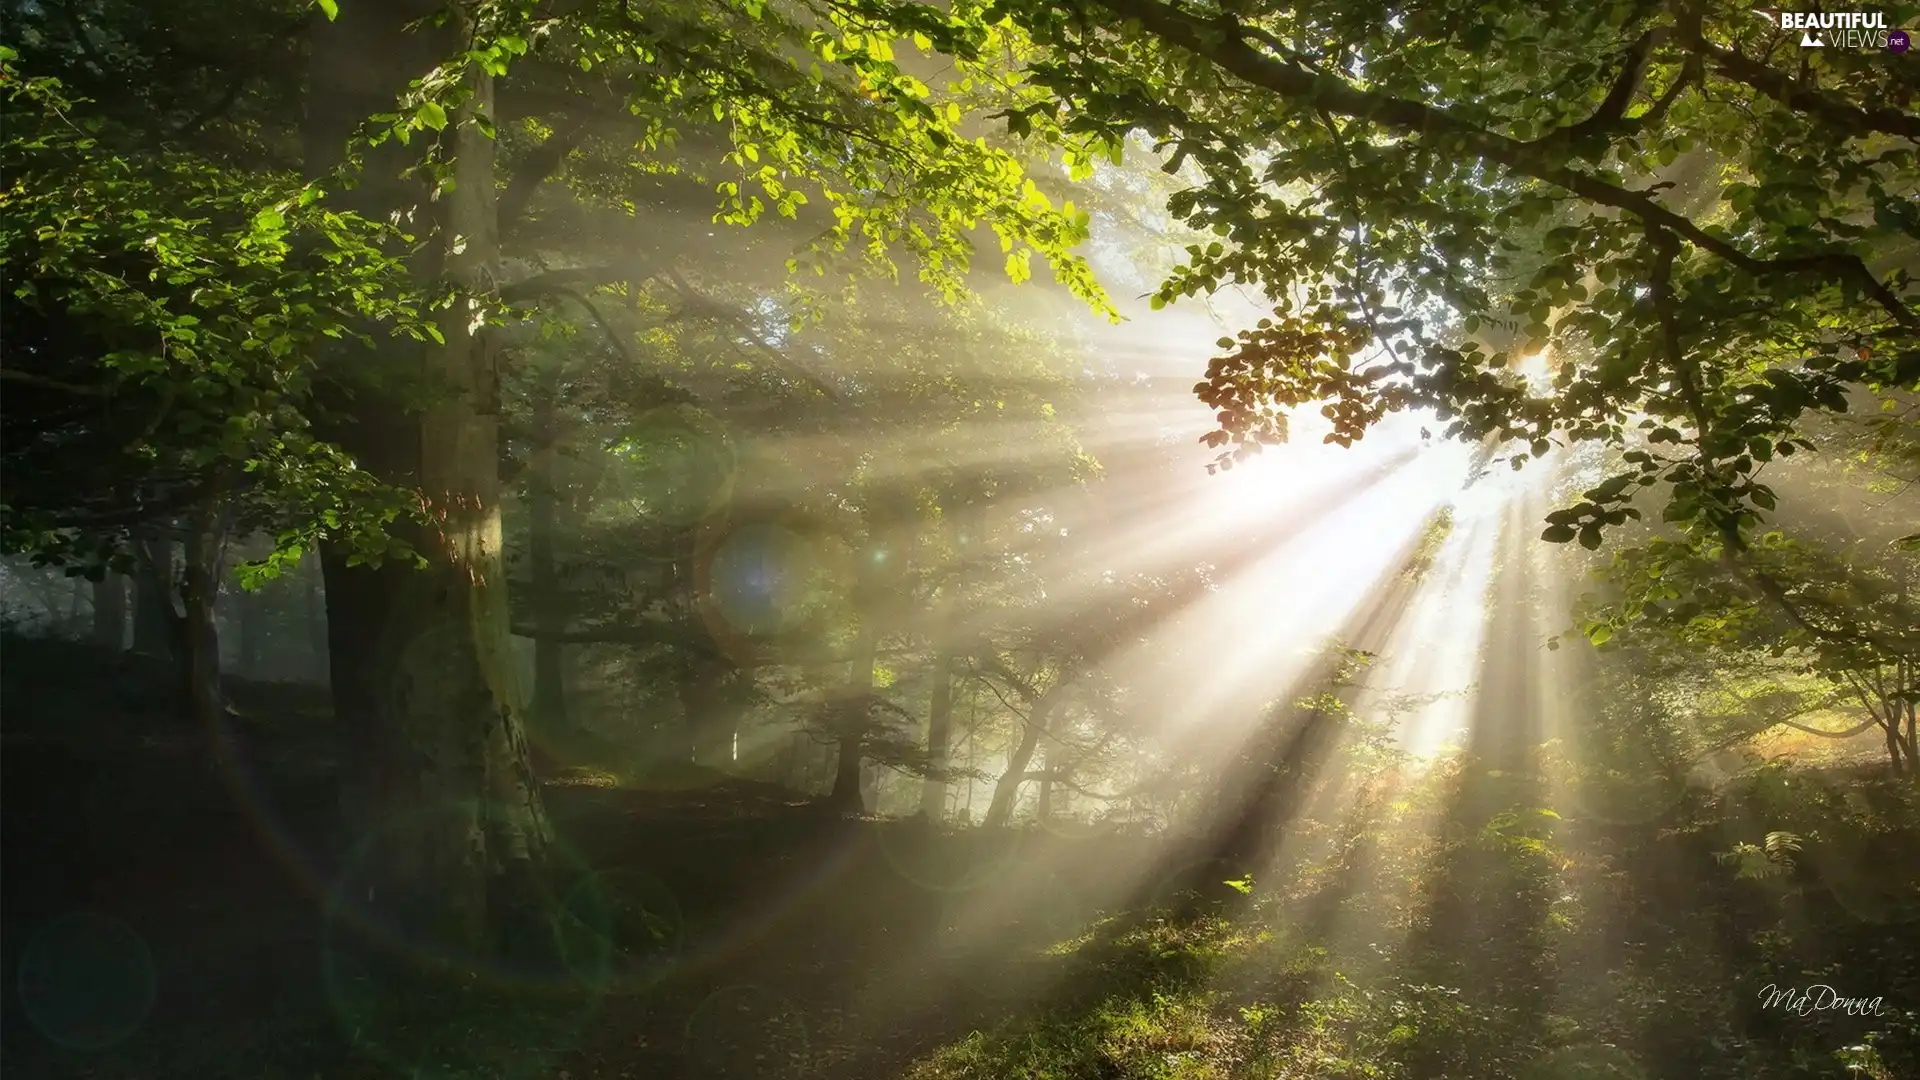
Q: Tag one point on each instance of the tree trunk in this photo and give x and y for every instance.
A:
(250, 617)
(794, 762)
(706, 701)
(1913, 726)
(548, 709)
(1043, 806)
(1007, 790)
(199, 635)
(153, 613)
(874, 603)
(973, 762)
(77, 596)
(315, 617)
(110, 613)
(248, 620)
(855, 716)
(440, 794)
(933, 793)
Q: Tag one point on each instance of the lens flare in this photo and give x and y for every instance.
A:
(86, 981)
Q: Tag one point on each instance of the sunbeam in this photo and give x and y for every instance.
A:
(862, 540)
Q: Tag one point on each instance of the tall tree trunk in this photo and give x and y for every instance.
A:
(314, 616)
(1913, 724)
(110, 613)
(1043, 805)
(794, 759)
(548, 709)
(1007, 790)
(199, 634)
(933, 793)
(855, 717)
(959, 524)
(875, 604)
(250, 619)
(153, 613)
(973, 763)
(441, 794)
(77, 597)
(706, 701)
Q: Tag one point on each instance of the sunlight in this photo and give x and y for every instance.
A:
(1537, 369)
(829, 619)
(1339, 537)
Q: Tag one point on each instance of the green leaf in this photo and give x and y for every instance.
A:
(331, 8)
(431, 114)
(1018, 267)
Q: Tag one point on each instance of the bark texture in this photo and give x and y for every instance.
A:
(548, 709)
(440, 802)
(198, 633)
(933, 793)
(153, 613)
(1007, 790)
(854, 719)
(110, 612)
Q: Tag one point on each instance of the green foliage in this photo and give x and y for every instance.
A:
(1421, 934)
(1708, 254)
(164, 314)
(815, 113)
(212, 316)
(1798, 627)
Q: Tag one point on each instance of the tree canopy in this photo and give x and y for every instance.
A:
(817, 395)
(1708, 244)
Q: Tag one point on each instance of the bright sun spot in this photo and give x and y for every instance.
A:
(1342, 530)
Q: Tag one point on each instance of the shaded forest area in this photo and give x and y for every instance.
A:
(1127, 540)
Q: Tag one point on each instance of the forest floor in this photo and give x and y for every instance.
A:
(162, 920)
(776, 941)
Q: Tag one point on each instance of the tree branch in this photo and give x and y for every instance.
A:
(1546, 164)
(723, 313)
(993, 665)
(1690, 74)
(541, 163)
(614, 337)
(1871, 721)
(552, 282)
(1799, 96)
(1777, 593)
(757, 652)
(1025, 717)
(1611, 116)
(44, 383)
(1666, 306)
(624, 634)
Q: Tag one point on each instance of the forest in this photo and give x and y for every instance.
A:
(958, 540)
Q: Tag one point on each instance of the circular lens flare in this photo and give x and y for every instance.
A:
(86, 981)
